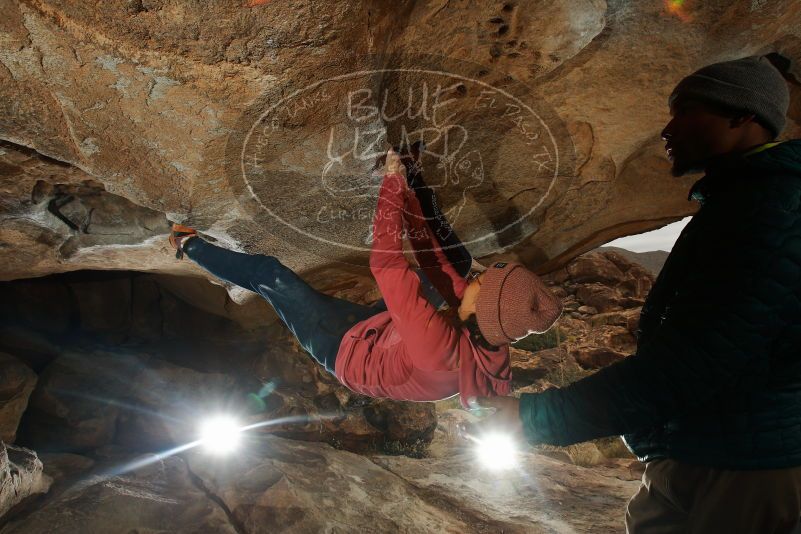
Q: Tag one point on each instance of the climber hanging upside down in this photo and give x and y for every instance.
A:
(403, 347)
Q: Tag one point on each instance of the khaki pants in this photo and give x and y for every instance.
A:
(682, 498)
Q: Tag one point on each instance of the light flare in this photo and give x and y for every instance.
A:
(496, 451)
(221, 434)
(679, 9)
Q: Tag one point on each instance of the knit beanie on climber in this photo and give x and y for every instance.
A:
(750, 84)
(514, 302)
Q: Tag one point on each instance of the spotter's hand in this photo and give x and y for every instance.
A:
(506, 417)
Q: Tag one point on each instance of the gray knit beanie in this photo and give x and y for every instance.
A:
(750, 84)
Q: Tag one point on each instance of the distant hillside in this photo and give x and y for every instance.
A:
(653, 260)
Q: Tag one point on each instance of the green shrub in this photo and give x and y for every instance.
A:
(417, 449)
(452, 403)
(535, 342)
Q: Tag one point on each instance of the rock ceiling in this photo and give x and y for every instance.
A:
(260, 125)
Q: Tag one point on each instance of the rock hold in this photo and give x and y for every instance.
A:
(16, 384)
(20, 476)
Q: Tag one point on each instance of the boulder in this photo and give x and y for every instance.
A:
(629, 319)
(652, 261)
(532, 368)
(573, 327)
(605, 298)
(17, 381)
(62, 466)
(539, 495)
(21, 476)
(602, 282)
(88, 400)
(169, 403)
(614, 337)
(291, 486)
(447, 436)
(72, 218)
(558, 291)
(571, 304)
(595, 357)
(276, 485)
(158, 497)
(273, 484)
(29, 345)
(595, 267)
(599, 324)
(638, 278)
(71, 410)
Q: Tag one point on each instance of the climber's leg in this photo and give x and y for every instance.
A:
(317, 320)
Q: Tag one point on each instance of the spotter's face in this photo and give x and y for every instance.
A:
(694, 135)
(470, 297)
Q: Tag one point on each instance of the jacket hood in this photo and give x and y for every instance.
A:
(784, 159)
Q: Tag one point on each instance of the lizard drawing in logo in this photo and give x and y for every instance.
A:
(456, 170)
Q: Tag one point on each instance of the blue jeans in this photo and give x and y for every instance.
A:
(317, 320)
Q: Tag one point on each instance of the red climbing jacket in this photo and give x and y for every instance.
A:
(410, 351)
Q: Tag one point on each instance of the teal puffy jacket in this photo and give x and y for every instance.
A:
(716, 379)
